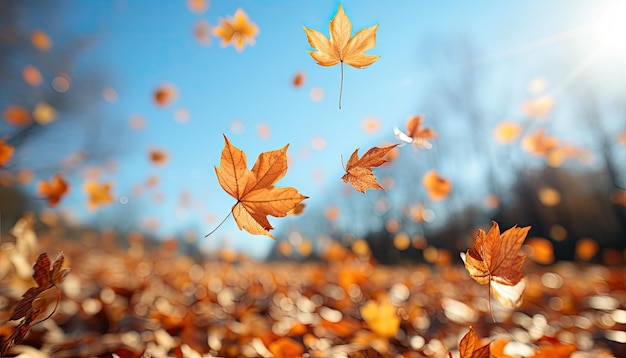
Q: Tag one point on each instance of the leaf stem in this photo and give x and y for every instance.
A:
(341, 85)
(220, 224)
(489, 301)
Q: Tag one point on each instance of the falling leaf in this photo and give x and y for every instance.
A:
(586, 249)
(437, 187)
(109, 94)
(181, 115)
(236, 30)
(540, 250)
(340, 47)
(40, 40)
(359, 171)
(415, 134)
(17, 116)
(469, 346)
(538, 108)
(549, 196)
(263, 130)
(495, 260)
(137, 122)
(202, 32)
(32, 76)
(254, 190)
(298, 79)
(44, 113)
(6, 152)
(198, 6)
(53, 190)
(381, 317)
(165, 94)
(97, 194)
(371, 125)
(316, 94)
(158, 157)
(538, 143)
(506, 132)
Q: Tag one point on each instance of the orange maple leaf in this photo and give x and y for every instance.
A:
(236, 30)
(98, 194)
(415, 134)
(494, 260)
(468, 347)
(53, 190)
(437, 187)
(254, 190)
(340, 48)
(359, 171)
(6, 152)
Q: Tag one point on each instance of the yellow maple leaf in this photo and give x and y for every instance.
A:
(381, 317)
(340, 47)
(236, 30)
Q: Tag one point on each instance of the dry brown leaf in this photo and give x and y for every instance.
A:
(359, 171)
(495, 260)
(468, 347)
(340, 48)
(254, 190)
(415, 134)
(236, 30)
(53, 190)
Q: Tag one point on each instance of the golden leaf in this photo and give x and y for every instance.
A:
(340, 47)
(254, 190)
(237, 31)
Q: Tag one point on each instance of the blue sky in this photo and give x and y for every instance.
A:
(142, 44)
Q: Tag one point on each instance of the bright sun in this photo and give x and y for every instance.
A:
(610, 33)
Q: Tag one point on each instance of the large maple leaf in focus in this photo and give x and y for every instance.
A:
(495, 260)
(359, 170)
(340, 47)
(256, 195)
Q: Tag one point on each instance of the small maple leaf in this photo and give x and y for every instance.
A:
(469, 346)
(28, 308)
(254, 190)
(340, 48)
(415, 134)
(6, 152)
(359, 170)
(53, 190)
(494, 260)
(381, 317)
(236, 30)
(98, 194)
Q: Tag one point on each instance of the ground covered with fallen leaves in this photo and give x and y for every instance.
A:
(135, 302)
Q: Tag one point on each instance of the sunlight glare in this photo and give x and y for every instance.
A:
(610, 30)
